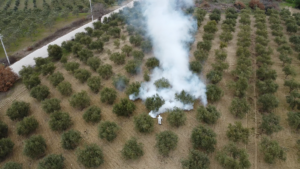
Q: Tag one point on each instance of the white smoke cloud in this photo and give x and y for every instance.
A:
(170, 30)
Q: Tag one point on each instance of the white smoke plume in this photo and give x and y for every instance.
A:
(170, 30)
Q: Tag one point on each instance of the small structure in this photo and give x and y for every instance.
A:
(159, 119)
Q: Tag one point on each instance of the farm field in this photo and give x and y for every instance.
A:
(248, 53)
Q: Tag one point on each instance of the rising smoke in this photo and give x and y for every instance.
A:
(170, 31)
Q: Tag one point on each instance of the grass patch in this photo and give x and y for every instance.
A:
(286, 4)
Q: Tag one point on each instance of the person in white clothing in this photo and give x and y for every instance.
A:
(159, 119)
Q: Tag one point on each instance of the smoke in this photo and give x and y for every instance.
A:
(170, 31)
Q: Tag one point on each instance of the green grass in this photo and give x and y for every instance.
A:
(285, 4)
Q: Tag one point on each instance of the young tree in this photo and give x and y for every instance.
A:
(132, 149)
(80, 100)
(108, 95)
(214, 93)
(208, 114)
(237, 133)
(51, 105)
(108, 130)
(154, 103)
(133, 88)
(195, 66)
(270, 124)
(176, 117)
(6, 147)
(132, 67)
(204, 138)
(118, 58)
(239, 107)
(12, 165)
(55, 52)
(271, 150)
(143, 123)
(3, 130)
(94, 83)
(90, 156)
(105, 71)
(92, 114)
(127, 49)
(27, 126)
(196, 159)
(18, 110)
(48, 68)
(70, 139)
(31, 81)
(35, 147)
(233, 157)
(165, 142)
(120, 82)
(94, 63)
(124, 108)
(71, 66)
(65, 88)
(267, 102)
(60, 121)
(56, 78)
(52, 161)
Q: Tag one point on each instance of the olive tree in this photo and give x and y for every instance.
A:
(176, 117)
(143, 123)
(48, 68)
(6, 147)
(108, 130)
(12, 165)
(71, 66)
(90, 156)
(270, 124)
(239, 107)
(80, 100)
(184, 97)
(126, 49)
(3, 130)
(195, 66)
(267, 102)
(52, 161)
(214, 76)
(40, 92)
(124, 108)
(162, 83)
(266, 86)
(105, 71)
(82, 75)
(55, 52)
(18, 110)
(214, 93)
(56, 78)
(118, 58)
(237, 133)
(138, 55)
(204, 138)
(196, 159)
(133, 88)
(108, 95)
(208, 114)
(65, 88)
(92, 114)
(151, 63)
(292, 84)
(60, 121)
(51, 105)
(27, 126)
(120, 82)
(70, 139)
(293, 99)
(94, 63)
(201, 55)
(31, 81)
(154, 103)
(35, 147)
(294, 120)
(271, 150)
(132, 149)
(98, 45)
(165, 142)
(94, 83)
(132, 67)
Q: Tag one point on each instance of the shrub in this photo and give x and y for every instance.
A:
(166, 141)
(52, 161)
(48, 68)
(214, 76)
(65, 88)
(105, 71)
(237, 133)
(162, 83)
(55, 52)
(56, 78)
(176, 117)
(184, 97)
(124, 108)
(138, 55)
(31, 81)
(267, 102)
(6, 147)
(117, 58)
(205, 45)
(12, 165)
(92, 114)
(60, 121)
(108, 95)
(70, 139)
(94, 83)
(108, 130)
(51, 105)
(80, 100)
(3, 130)
(27, 126)
(94, 63)
(204, 138)
(71, 66)
(143, 123)
(233, 157)
(195, 66)
(239, 107)
(211, 27)
(82, 75)
(214, 93)
(154, 103)
(133, 88)
(208, 114)
(132, 149)
(270, 124)
(196, 159)
(18, 110)
(90, 156)
(132, 67)
(120, 82)
(152, 63)
(271, 150)
(35, 147)
(7, 78)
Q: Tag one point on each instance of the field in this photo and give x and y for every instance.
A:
(286, 137)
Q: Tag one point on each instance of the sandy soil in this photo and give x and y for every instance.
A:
(152, 159)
